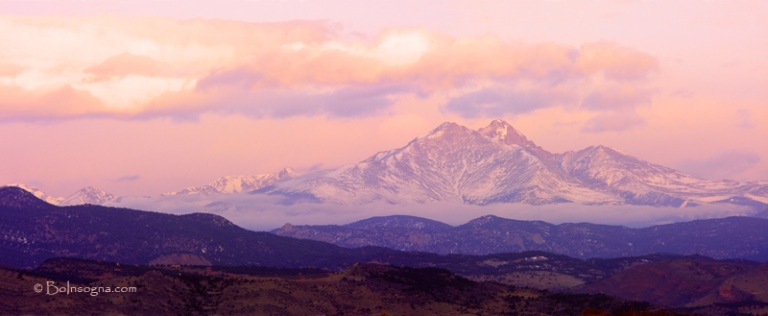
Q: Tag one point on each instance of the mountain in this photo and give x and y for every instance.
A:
(455, 165)
(497, 164)
(33, 230)
(38, 193)
(398, 223)
(702, 286)
(235, 184)
(87, 195)
(643, 183)
(732, 237)
(222, 186)
(452, 163)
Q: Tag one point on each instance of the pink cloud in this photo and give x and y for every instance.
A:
(63, 102)
(128, 64)
(617, 98)
(616, 62)
(10, 70)
(158, 67)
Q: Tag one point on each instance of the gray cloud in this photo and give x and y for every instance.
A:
(724, 165)
(615, 104)
(239, 99)
(497, 102)
(242, 77)
(128, 178)
(613, 122)
(744, 118)
(612, 79)
(616, 99)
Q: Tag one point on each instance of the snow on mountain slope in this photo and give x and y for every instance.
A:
(38, 193)
(641, 182)
(455, 165)
(498, 164)
(235, 184)
(451, 163)
(88, 195)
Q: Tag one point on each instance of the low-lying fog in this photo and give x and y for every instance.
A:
(264, 213)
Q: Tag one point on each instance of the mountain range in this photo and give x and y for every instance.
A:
(732, 237)
(34, 231)
(236, 184)
(497, 164)
(493, 165)
(222, 186)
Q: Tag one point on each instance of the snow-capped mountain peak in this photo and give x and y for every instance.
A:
(504, 132)
(497, 164)
(450, 163)
(456, 164)
(287, 172)
(88, 195)
(239, 183)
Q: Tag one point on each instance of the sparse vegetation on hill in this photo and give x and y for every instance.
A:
(363, 289)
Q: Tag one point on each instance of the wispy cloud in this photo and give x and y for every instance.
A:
(128, 178)
(727, 164)
(744, 119)
(613, 122)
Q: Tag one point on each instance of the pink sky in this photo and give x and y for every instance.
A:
(145, 97)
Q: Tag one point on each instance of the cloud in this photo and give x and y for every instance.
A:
(130, 67)
(240, 78)
(724, 165)
(128, 178)
(625, 97)
(745, 119)
(497, 102)
(346, 102)
(126, 64)
(62, 102)
(613, 122)
(249, 93)
(10, 70)
(612, 79)
(615, 62)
